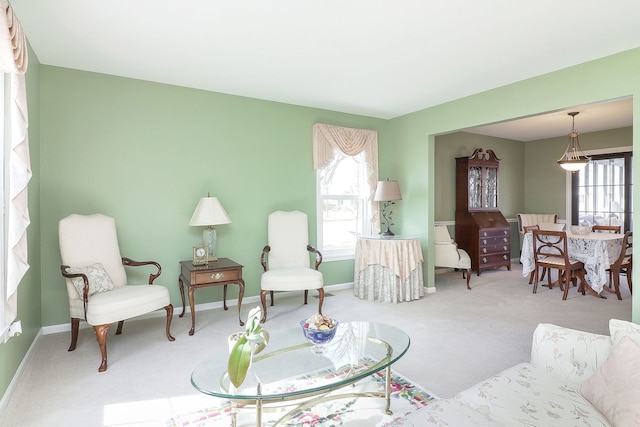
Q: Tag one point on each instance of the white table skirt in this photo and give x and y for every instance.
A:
(381, 284)
(597, 251)
(388, 270)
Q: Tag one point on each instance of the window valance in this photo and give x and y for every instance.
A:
(13, 43)
(350, 141)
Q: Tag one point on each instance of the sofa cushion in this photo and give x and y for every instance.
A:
(621, 328)
(615, 388)
(568, 353)
(526, 396)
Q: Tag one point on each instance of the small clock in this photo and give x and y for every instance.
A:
(200, 255)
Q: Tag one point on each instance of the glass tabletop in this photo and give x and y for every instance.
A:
(289, 367)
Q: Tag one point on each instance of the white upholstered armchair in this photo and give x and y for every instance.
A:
(543, 221)
(286, 259)
(448, 254)
(99, 292)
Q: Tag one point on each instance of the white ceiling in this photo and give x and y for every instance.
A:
(377, 58)
(591, 118)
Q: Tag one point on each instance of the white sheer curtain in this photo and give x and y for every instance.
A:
(13, 62)
(350, 141)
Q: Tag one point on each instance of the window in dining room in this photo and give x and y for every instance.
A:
(602, 191)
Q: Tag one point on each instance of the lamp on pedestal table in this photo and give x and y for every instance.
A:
(387, 192)
(209, 213)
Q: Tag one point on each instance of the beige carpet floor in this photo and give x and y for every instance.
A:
(458, 338)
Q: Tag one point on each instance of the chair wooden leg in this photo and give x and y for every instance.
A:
(321, 298)
(271, 294)
(120, 325)
(535, 280)
(169, 309)
(75, 326)
(101, 336)
(579, 274)
(306, 294)
(263, 302)
(567, 284)
(468, 277)
(616, 283)
(629, 279)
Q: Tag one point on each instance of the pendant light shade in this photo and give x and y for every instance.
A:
(573, 158)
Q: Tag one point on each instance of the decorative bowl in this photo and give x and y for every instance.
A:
(580, 230)
(318, 337)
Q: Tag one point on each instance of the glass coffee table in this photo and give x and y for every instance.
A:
(290, 374)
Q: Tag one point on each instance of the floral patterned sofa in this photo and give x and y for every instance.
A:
(574, 378)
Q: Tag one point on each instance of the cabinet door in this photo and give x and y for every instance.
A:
(491, 188)
(475, 187)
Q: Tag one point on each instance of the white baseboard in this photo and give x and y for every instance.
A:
(14, 381)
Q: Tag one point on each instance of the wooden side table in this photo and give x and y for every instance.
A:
(216, 273)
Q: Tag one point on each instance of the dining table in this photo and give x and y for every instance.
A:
(597, 251)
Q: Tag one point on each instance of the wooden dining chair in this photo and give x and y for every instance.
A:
(623, 264)
(527, 229)
(550, 251)
(606, 229)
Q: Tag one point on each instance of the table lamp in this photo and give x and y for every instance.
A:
(387, 191)
(209, 213)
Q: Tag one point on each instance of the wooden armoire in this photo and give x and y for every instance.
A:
(481, 229)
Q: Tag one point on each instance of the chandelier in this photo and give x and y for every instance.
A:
(573, 158)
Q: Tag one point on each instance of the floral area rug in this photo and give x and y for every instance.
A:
(406, 398)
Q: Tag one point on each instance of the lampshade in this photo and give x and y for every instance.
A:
(573, 158)
(209, 212)
(387, 190)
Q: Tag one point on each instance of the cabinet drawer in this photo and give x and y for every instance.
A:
(215, 276)
(494, 249)
(493, 259)
(495, 233)
(490, 241)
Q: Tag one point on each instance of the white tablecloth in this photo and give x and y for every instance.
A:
(388, 269)
(597, 251)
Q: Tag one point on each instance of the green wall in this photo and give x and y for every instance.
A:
(29, 304)
(607, 78)
(145, 153)
(542, 173)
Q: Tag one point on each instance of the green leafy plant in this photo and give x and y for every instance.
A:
(251, 342)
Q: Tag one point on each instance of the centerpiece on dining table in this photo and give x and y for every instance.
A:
(580, 230)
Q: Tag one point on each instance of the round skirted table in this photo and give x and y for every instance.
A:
(388, 269)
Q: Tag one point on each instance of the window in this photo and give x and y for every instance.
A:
(342, 195)
(602, 191)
